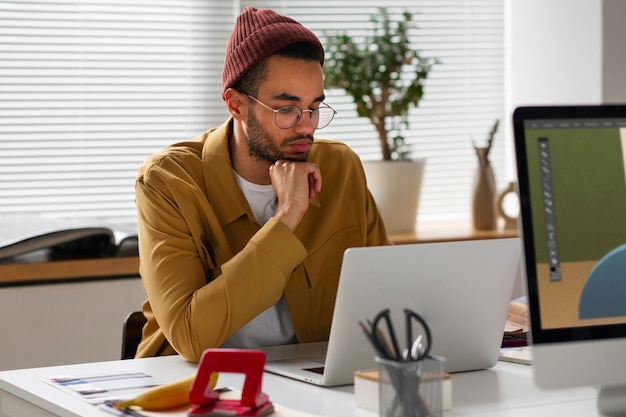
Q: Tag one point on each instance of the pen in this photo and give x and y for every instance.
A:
(393, 349)
(109, 408)
(380, 349)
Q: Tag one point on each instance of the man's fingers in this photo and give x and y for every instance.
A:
(316, 177)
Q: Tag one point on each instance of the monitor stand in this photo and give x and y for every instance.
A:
(612, 400)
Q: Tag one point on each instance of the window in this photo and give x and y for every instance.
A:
(92, 87)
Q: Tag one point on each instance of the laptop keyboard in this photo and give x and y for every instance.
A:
(317, 370)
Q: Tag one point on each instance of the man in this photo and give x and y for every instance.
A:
(242, 229)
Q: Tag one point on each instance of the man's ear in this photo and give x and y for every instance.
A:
(234, 103)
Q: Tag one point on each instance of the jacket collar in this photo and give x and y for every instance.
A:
(219, 181)
(221, 187)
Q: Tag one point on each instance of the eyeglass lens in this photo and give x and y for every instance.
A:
(289, 116)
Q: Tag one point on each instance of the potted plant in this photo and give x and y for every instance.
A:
(385, 77)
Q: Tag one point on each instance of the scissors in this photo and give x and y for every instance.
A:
(408, 401)
(385, 342)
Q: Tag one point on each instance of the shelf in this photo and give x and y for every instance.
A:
(450, 230)
(63, 270)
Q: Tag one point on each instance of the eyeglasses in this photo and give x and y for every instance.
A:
(287, 117)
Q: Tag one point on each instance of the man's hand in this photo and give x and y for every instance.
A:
(295, 183)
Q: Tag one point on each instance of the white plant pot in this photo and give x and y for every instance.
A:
(396, 187)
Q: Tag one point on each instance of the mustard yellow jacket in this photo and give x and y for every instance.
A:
(208, 267)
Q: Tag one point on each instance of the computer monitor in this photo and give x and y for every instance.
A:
(571, 166)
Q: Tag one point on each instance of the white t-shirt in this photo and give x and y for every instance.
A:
(273, 326)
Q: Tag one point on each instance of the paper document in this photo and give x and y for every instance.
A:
(96, 388)
(523, 355)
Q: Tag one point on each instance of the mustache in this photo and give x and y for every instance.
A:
(297, 138)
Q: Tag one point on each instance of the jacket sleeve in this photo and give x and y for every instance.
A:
(200, 293)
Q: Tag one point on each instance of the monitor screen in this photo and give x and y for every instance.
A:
(571, 163)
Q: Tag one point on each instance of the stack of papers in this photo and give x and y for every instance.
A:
(96, 388)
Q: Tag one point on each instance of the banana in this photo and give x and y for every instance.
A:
(162, 397)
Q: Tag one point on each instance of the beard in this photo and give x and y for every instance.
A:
(261, 145)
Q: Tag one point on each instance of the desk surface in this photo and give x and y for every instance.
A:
(507, 390)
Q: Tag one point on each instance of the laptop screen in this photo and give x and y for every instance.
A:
(572, 186)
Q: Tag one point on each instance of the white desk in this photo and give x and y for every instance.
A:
(507, 390)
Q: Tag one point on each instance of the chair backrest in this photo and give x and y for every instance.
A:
(131, 334)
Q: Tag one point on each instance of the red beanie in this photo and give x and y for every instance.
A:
(258, 34)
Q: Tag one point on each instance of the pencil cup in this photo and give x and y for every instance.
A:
(410, 388)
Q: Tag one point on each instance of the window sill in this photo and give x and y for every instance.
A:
(450, 230)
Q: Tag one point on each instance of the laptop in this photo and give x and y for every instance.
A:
(462, 290)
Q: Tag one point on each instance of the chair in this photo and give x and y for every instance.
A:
(131, 334)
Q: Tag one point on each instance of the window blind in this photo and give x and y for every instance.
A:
(90, 88)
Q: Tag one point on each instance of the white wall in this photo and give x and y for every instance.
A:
(58, 324)
(554, 52)
(563, 52)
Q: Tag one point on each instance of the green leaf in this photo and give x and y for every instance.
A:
(384, 74)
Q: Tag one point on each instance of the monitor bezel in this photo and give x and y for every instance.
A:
(538, 334)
